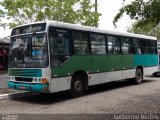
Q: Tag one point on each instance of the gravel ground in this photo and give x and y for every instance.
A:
(3, 80)
(7, 91)
(110, 98)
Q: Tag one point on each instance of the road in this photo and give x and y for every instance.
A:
(111, 98)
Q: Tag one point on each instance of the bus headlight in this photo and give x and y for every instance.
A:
(44, 80)
(39, 80)
(35, 79)
(11, 78)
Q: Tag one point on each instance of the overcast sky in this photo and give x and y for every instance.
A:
(108, 9)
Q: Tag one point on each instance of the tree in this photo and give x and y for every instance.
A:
(145, 13)
(71, 11)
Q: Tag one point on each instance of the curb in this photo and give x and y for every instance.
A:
(16, 95)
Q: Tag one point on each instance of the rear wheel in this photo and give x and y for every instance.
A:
(138, 76)
(77, 86)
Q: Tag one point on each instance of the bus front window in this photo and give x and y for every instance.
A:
(29, 51)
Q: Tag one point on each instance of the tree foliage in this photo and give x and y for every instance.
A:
(145, 13)
(71, 11)
(149, 29)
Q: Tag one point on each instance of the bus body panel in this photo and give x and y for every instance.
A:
(37, 87)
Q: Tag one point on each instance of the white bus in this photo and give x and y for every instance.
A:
(54, 56)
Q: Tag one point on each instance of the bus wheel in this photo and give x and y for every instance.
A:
(138, 76)
(77, 86)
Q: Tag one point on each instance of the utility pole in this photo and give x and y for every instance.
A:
(95, 5)
(96, 10)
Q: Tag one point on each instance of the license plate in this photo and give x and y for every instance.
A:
(22, 87)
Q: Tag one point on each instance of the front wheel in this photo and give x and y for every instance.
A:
(77, 86)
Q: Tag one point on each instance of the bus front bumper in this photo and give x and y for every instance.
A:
(33, 87)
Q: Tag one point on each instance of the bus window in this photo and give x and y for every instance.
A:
(113, 45)
(137, 46)
(145, 46)
(98, 44)
(126, 45)
(80, 43)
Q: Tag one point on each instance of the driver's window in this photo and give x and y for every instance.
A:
(53, 44)
(59, 46)
(66, 50)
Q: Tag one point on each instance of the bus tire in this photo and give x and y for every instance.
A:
(138, 76)
(77, 86)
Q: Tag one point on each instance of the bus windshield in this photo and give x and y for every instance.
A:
(29, 50)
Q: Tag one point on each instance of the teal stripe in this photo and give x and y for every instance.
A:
(25, 72)
(145, 60)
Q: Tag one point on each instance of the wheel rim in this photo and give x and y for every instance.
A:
(139, 76)
(78, 86)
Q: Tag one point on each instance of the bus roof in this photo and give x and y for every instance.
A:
(91, 29)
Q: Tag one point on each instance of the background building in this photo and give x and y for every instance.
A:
(4, 50)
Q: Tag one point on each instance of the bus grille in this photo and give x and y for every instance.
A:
(24, 79)
(25, 72)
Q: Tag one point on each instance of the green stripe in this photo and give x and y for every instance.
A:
(93, 63)
(104, 63)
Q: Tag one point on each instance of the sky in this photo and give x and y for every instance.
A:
(108, 9)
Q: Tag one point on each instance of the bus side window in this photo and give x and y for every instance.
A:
(137, 46)
(145, 46)
(80, 43)
(154, 47)
(126, 45)
(113, 45)
(98, 45)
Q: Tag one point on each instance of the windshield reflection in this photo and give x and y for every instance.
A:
(29, 51)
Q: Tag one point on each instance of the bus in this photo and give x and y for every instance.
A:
(51, 56)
